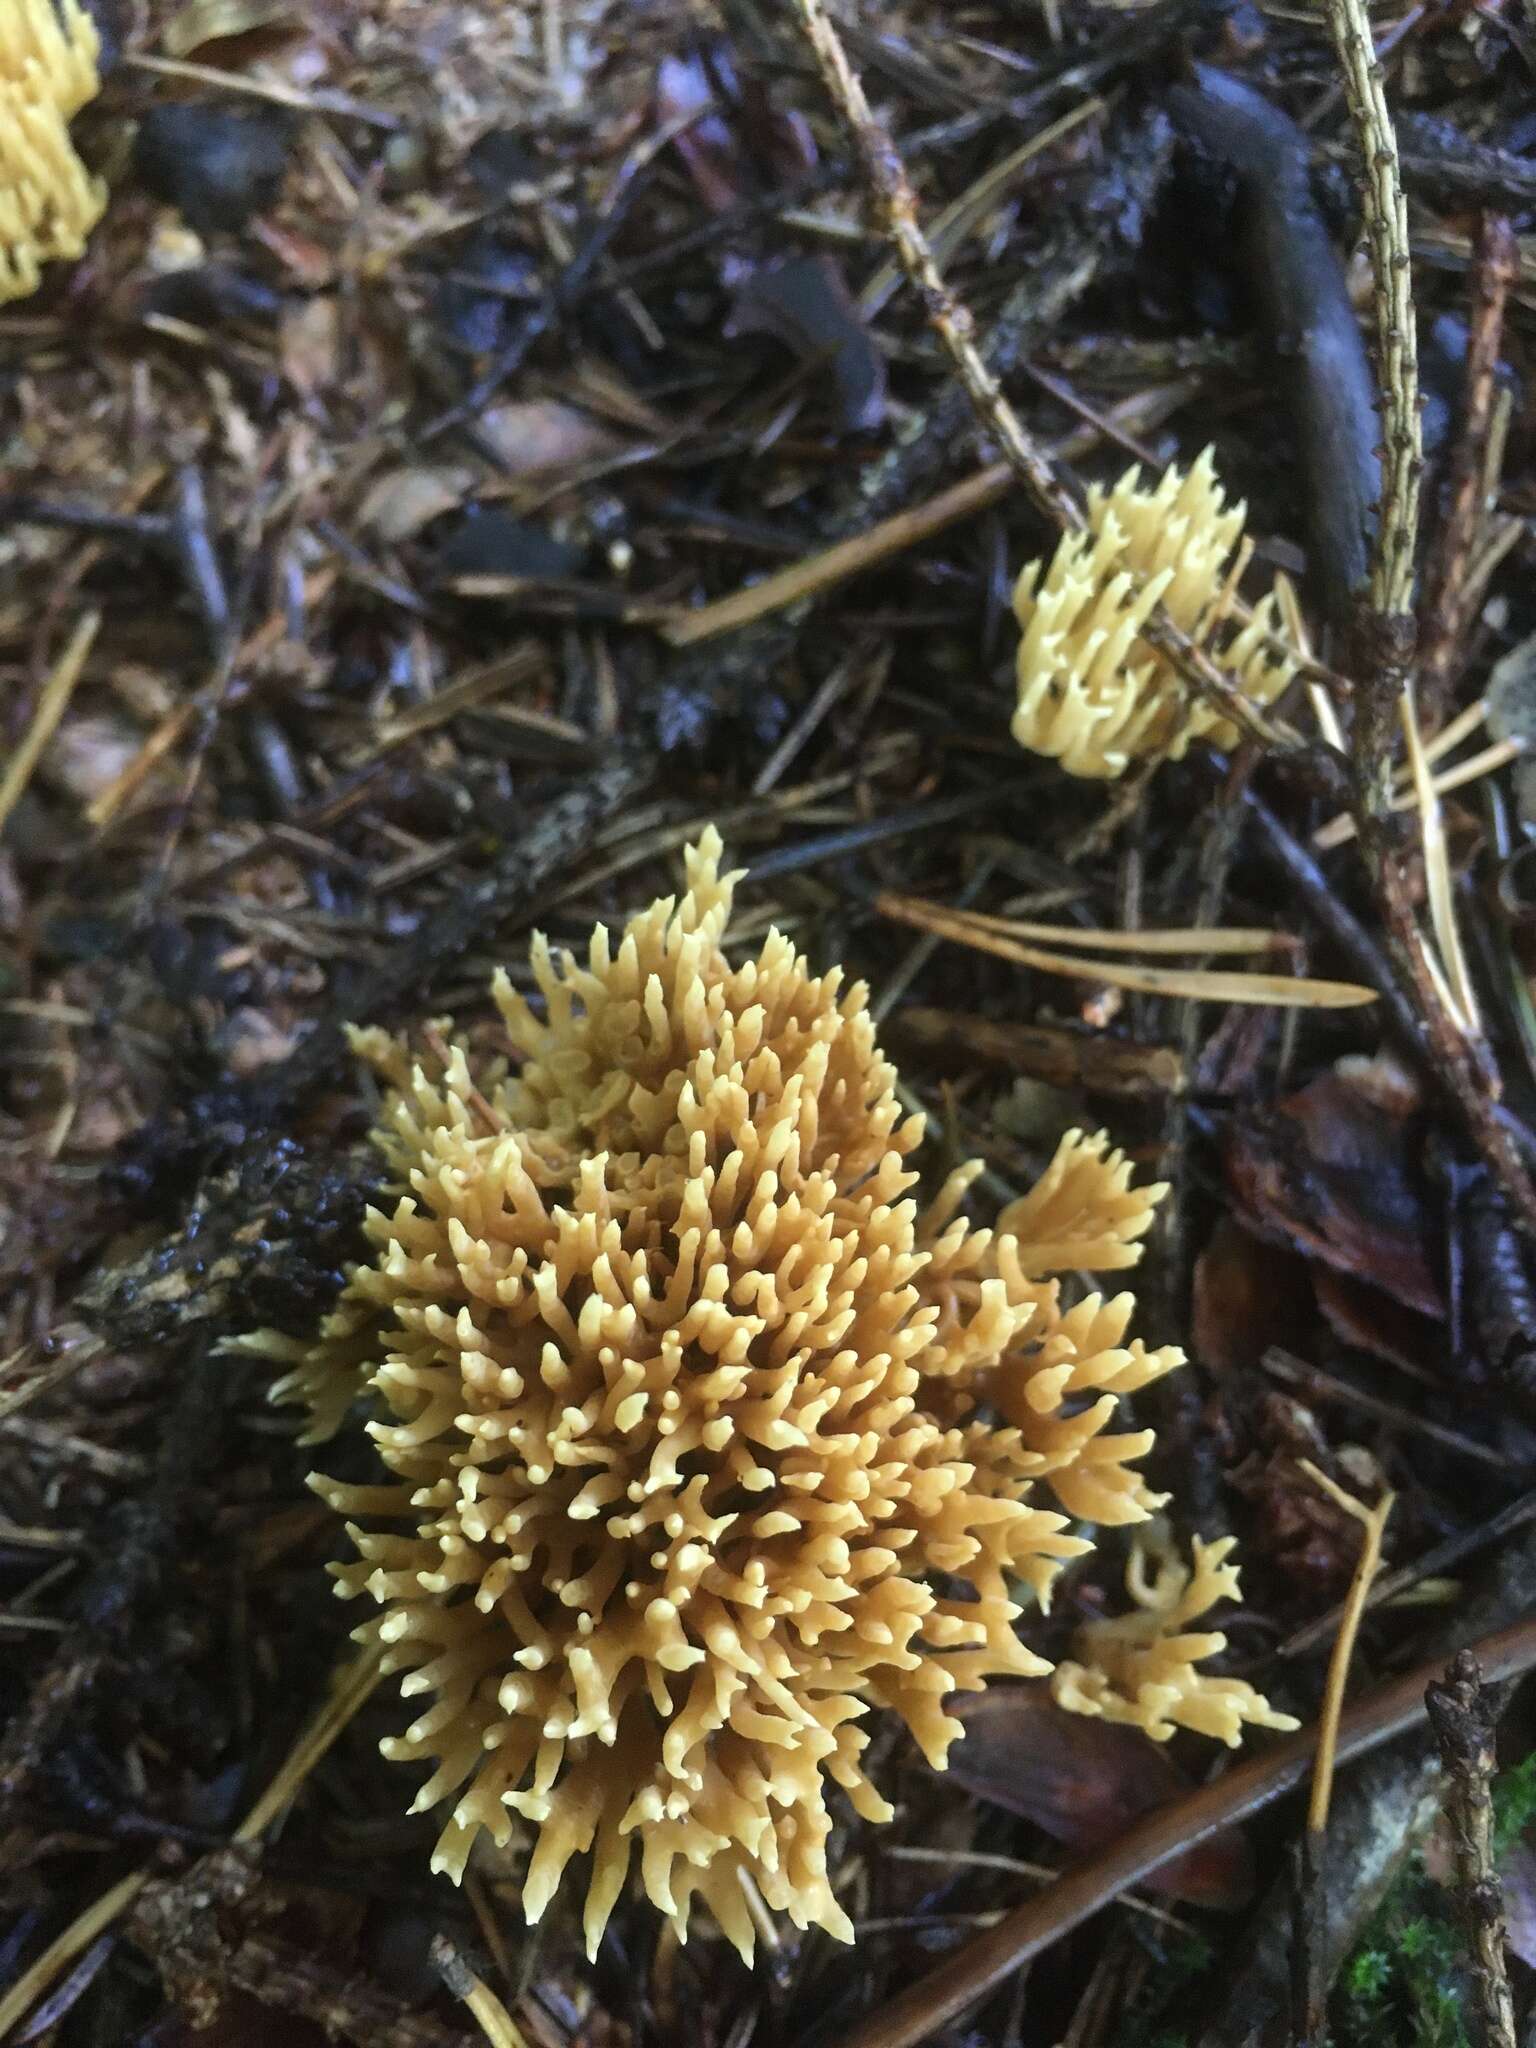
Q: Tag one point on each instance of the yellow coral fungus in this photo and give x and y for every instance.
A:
(1090, 694)
(1143, 1667)
(48, 201)
(703, 1439)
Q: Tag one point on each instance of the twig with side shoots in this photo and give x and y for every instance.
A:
(1385, 640)
(886, 177)
(1463, 1715)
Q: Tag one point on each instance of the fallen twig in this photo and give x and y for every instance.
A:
(1463, 1715)
(1445, 610)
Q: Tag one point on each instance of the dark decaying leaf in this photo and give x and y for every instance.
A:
(1333, 1174)
(1247, 1294)
(216, 165)
(485, 289)
(1084, 1782)
(1372, 1320)
(737, 145)
(805, 303)
(485, 541)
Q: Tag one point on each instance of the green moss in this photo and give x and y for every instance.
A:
(1514, 1803)
(1405, 1982)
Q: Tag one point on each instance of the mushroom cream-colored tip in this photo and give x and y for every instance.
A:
(1092, 694)
(1144, 1667)
(704, 1440)
(48, 201)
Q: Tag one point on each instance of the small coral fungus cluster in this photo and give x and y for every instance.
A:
(48, 201)
(1090, 694)
(703, 1438)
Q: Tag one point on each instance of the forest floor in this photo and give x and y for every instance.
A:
(481, 446)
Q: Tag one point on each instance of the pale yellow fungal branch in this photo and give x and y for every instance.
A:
(1143, 1667)
(701, 1439)
(49, 202)
(1092, 693)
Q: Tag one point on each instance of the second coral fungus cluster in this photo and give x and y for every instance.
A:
(703, 1438)
(1092, 694)
(48, 201)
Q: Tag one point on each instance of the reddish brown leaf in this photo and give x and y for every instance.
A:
(1084, 1782)
(1373, 1321)
(1332, 1173)
(1248, 1296)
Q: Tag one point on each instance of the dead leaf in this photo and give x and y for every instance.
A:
(201, 22)
(805, 303)
(310, 345)
(1332, 1175)
(1373, 1321)
(401, 502)
(540, 437)
(1085, 1782)
(1246, 1295)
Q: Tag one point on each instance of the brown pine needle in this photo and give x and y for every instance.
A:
(350, 1689)
(1440, 886)
(495, 2022)
(845, 558)
(51, 703)
(1373, 1521)
(1199, 985)
(1189, 938)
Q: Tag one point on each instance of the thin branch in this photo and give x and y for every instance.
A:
(1446, 609)
(1463, 1715)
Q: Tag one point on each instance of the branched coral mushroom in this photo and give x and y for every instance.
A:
(704, 1438)
(1090, 694)
(48, 201)
(1143, 1667)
